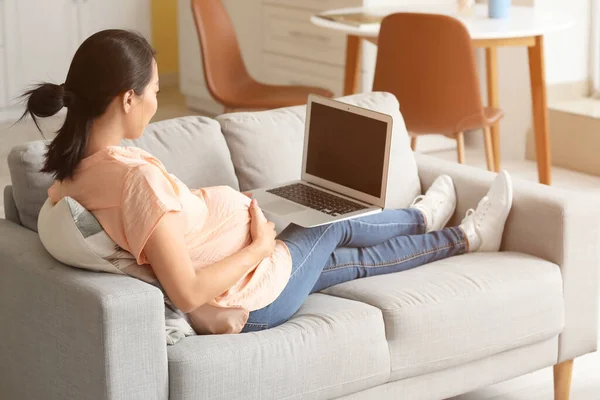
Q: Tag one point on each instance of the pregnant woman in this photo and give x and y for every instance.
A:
(216, 256)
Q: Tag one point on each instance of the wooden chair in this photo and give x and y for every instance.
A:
(427, 61)
(227, 78)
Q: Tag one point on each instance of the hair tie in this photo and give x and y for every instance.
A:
(68, 96)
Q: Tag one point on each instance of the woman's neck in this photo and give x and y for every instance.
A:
(105, 131)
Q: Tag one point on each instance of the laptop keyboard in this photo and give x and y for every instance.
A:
(316, 199)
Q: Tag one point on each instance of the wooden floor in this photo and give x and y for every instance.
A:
(535, 386)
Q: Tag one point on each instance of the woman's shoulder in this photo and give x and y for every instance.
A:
(134, 160)
(103, 175)
(129, 155)
(126, 157)
(118, 164)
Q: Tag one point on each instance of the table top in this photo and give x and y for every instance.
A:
(522, 21)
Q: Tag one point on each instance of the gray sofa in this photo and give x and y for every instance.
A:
(429, 333)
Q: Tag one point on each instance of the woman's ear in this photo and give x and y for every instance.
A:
(128, 99)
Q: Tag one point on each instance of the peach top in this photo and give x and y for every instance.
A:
(129, 191)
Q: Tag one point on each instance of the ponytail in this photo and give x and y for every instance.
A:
(67, 149)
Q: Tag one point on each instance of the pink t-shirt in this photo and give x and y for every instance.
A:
(129, 191)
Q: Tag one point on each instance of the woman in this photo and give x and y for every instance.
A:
(213, 251)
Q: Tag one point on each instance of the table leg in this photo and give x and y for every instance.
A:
(491, 60)
(537, 74)
(352, 73)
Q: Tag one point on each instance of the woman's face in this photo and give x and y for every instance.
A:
(145, 107)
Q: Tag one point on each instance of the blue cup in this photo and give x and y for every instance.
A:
(498, 8)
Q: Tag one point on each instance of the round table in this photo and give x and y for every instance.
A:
(525, 26)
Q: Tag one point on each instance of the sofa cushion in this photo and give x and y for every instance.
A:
(191, 148)
(331, 347)
(462, 308)
(266, 146)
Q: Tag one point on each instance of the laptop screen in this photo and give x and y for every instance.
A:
(346, 148)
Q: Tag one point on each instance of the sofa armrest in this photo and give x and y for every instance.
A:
(75, 334)
(556, 225)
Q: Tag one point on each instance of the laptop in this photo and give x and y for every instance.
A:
(344, 167)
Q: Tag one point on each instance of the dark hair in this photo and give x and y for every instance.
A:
(107, 64)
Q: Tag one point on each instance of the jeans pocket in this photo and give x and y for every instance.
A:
(254, 327)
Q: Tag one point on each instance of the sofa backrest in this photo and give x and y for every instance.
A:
(29, 185)
(192, 148)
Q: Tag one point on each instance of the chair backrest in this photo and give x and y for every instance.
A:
(224, 68)
(427, 62)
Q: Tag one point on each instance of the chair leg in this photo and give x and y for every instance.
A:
(562, 380)
(460, 147)
(413, 143)
(489, 151)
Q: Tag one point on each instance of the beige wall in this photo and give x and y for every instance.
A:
(164, 35)
(574, 141)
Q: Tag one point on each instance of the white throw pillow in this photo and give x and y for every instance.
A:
(73, 236)
(266, 146)
(65, 241)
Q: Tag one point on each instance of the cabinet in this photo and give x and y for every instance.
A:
(38, 38)
(297, 52)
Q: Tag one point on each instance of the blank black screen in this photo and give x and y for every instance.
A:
(346, 148)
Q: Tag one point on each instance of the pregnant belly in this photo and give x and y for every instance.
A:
(227, 238)
(226, 229)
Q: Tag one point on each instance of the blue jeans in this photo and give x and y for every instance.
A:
(323, 256)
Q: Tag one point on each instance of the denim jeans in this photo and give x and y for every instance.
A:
(323, 256)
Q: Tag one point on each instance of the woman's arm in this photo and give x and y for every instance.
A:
(187, 288)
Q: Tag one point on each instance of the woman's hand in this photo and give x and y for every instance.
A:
(262, 231)
(187, 287)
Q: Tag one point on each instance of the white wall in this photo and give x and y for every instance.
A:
(568, 51)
